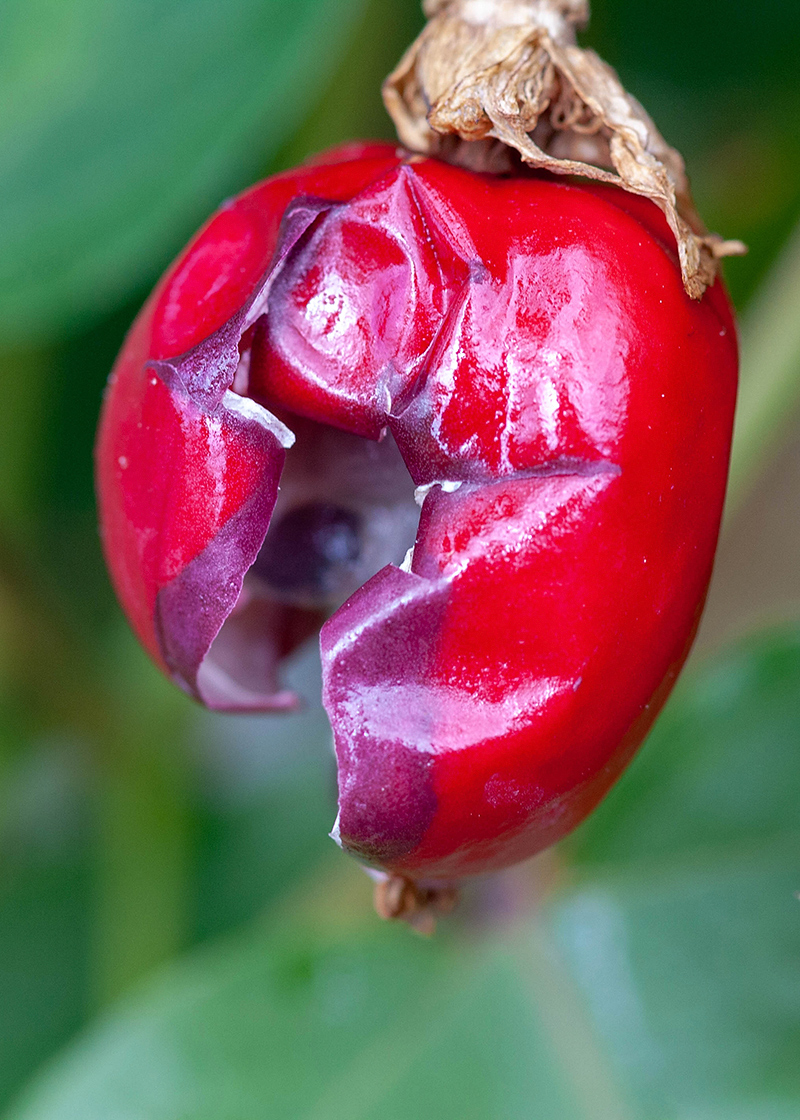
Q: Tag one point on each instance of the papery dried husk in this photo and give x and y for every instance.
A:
(400, 899)
(486, 76)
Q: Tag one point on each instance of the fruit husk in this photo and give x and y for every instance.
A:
(488, 78)
(398, 898)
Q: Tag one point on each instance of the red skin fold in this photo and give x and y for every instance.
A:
(526, 346)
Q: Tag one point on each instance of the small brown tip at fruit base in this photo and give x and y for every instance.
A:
(400, 899)
(510, 71)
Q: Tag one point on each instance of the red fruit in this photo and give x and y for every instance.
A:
(521, 350)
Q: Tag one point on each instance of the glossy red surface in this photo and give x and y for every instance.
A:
(527, 348)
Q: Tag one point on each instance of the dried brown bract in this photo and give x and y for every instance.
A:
(509, 73)
(402, 900)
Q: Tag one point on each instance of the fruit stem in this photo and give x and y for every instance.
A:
(400, 899)
(558, 16)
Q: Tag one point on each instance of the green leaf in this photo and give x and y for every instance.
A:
(44, 963)
(345, 1023)
(45, 900)
(124, 124)
(721, 770)
(349, 107)
(661, 983)
(684, 932)
(23, 377)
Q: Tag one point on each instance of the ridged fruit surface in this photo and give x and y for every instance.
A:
(516, 353)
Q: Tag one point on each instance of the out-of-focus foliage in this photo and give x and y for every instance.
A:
(122, 120)
(662, 979)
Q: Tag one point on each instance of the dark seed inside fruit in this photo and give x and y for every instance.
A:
(310, 552)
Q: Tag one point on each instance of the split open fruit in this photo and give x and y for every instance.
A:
(377, 331)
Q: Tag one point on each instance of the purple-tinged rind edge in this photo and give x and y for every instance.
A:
(191, 610)
(382, 639)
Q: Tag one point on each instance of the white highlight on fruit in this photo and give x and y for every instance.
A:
(461, 722)
(249, 410)
(407, 560)
(448, 487)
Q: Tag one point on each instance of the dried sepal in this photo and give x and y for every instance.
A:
(510, 71)
(400, 899)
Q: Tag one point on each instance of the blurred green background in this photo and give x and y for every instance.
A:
(179, 940)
